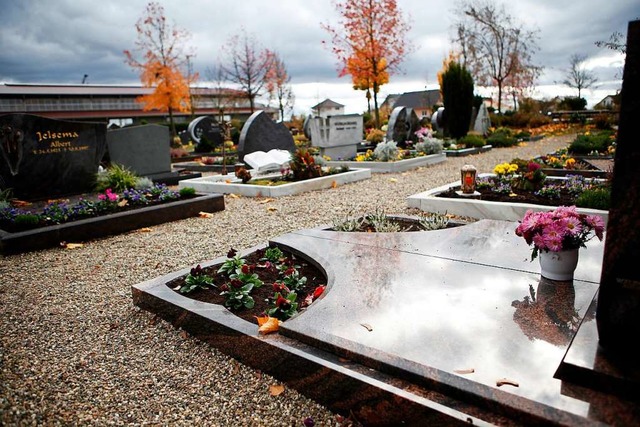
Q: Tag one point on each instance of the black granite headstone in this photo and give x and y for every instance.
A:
(144, 149)
(260, 133)
(207, 128)
(44, 158)
(403, 123)
(618, 315)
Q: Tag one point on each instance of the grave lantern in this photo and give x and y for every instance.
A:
(468, 178)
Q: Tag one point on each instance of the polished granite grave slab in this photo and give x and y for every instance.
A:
(421, 327)
(430, 305)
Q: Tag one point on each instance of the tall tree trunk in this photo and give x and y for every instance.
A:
(172, 124)
(500, 96)
(368, 101)
(375, 104)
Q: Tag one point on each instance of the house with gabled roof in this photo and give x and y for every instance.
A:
(421, 102)
(327, 108)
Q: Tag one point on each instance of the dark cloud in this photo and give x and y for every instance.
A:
(60, 41)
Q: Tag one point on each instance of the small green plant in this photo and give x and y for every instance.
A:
(434, 221)
(380, 222)
(233, 262)
(348, 224)
(237, 294)
(187, 192)
(471, 140)
(595, 198)
(143, 183)
(196, 279)
(303, 165)
(26, 220)
(116, 177)
(272, 254)
(292, 279)
(501, 139)
(246, 274)
(283, 307)
(6, 195)
(386, 151)
(429, 146)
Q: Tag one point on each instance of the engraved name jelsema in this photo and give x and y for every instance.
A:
(43, 136)
(57, 143)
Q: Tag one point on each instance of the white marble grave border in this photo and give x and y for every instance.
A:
(229, 184)
(390, 167)
(481, 209)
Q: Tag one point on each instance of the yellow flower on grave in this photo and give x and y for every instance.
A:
(569, 163)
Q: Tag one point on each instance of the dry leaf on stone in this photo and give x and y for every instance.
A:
(73, 245)
(366, 326)
(267, 200)
(465, 371)
(145, 230)
(184, 335)
(393, 180)
(205, 215)
(334, 184)
(276, 389)
(506, 381)
(270, 325)
(272, 209)
(233, 196)
(123, 202)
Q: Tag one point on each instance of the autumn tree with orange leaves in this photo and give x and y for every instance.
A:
(370, 43)
(162, 57)
(277, 82)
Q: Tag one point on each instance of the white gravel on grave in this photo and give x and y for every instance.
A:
(74, 350)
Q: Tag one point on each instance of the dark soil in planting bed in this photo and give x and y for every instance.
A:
(263, 296)
(517, 196)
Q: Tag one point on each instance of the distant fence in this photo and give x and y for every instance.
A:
(581, 115)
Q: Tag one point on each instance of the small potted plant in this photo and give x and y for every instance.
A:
(556, 237)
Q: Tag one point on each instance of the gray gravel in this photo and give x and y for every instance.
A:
(74, 350)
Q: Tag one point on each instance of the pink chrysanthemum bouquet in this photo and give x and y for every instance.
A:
(559, 230)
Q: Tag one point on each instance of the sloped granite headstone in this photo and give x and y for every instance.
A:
(144, 149)
(482, 121)
(45, 158)
(205, 127)
(402, 125)
(260, 133)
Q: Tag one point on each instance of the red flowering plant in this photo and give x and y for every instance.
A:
(530, 180)
(283, 307)
(559, 230)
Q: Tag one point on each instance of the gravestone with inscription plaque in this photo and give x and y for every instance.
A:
(336, 136)
(43, 158)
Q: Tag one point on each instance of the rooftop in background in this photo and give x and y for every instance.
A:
(90, 101)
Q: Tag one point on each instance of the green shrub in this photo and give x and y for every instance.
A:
(457, 95)
(6, 194)
(588, 143)
(26, 220)
(117, 178)
(501, 138)
(472, 140)
(595, 198)
(603, 121)
(386, 151)
(204, 146)
(429, 146)
(187, 192)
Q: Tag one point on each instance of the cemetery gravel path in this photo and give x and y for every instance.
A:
(74, 350)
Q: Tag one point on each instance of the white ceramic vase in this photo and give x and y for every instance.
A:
(558, 265)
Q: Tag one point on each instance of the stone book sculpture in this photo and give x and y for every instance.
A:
(261, 161)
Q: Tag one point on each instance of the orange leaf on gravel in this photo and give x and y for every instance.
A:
(276, 389)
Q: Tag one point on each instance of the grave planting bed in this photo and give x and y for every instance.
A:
(114, 223)
(467, 151)
(418, 328)
(395, 166)
(229, 184)
(432, 201)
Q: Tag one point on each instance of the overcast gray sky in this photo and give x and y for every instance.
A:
(59, 41)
